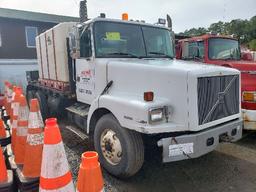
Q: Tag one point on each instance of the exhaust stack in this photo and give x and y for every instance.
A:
(83, 11)
(169, 22)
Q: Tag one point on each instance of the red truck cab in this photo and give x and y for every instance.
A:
(224, 51)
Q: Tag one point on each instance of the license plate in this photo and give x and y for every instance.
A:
(181, 149)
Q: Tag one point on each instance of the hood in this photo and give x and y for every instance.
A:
(247, 69)
(248, 73)
(174, 66)
(173, 82)
(241, 65)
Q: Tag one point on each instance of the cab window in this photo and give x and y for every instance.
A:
(193, 50)
(122, 40)
(118, 40)
(85, 43)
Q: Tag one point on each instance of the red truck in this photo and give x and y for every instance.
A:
(224, 51)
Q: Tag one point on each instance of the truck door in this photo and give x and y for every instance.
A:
(85, 69)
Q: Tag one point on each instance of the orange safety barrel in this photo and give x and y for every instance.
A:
(90, 176)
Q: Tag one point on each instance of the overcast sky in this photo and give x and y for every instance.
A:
(185, 13)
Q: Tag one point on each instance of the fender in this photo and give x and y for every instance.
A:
(132, 113)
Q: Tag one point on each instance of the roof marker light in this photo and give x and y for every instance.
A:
(125, 16)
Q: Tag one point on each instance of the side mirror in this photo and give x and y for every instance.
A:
(247, 56)
(72, 41)
(74, 44)
(196, 52)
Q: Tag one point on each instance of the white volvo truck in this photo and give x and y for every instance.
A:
(118, 81)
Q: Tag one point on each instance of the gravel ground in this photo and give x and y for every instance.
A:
(232, 167)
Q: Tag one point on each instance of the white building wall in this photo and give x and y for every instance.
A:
(14, 70)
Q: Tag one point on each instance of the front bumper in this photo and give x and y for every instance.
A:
(249, 117)
(197, 144)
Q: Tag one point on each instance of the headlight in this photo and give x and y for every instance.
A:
(156, 114)
(249, 96)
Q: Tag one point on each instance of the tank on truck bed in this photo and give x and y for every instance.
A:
(55, 86)
(52, 56)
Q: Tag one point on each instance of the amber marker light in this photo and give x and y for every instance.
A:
(249, 96)
(149, 96)
(125, 16)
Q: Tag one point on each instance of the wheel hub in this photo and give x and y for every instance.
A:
(111, 147)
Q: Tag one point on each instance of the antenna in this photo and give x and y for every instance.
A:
(224, 11)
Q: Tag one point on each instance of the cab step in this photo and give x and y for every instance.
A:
(77, 131)
(77, 114)
(79, 109)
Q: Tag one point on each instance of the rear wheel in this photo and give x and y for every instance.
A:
(42, 103)
(30, 95)
(121, 151)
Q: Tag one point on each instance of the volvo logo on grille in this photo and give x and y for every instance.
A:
(228, 90)
(221, 96)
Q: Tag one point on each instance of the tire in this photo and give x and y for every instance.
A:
(42, 103)
(132, 155)
(30, 95)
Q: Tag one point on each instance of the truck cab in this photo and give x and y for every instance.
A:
(119, 82)
(224, 51)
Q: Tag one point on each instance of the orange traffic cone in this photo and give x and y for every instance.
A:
(9, 98)
(55, 173)
(90, 177)
(1, 100)
(2, 129)
(15, 111)
(22, 130)
(35, 140)
(5, 94)
(13, 95)
(3, 170)
(6, 87)
(6, 176)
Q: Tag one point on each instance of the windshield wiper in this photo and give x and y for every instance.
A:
(233, 55)
(159, 53)
(228, 58)
(127, 54)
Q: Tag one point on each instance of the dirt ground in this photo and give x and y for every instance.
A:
(232, 167)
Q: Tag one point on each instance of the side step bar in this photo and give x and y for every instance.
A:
(77, 114)
(79, 109)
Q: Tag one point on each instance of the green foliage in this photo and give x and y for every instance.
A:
(195, 31)
(252, 45)
(244, 30)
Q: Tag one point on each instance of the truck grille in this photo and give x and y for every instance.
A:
(218, 97)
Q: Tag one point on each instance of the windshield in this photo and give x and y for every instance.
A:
(193, 50)
(129, 40)
(220, 48)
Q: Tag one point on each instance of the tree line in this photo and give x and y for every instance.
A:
(244, 30)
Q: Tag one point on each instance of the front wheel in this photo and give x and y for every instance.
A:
(121, 151)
